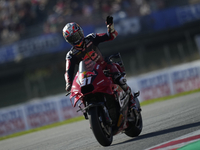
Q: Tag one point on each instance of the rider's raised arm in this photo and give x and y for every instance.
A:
(110, 35)
(102, 37)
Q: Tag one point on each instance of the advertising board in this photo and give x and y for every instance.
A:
(186, 79)
(41, 113)
(157, 85)
(67, 111)
(12, 120)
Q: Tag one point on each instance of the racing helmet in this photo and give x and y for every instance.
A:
(73, 34)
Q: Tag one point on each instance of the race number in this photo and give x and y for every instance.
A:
(86, 81)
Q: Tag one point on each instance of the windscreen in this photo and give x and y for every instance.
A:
(86, 65)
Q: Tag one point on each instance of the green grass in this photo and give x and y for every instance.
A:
(81, 117)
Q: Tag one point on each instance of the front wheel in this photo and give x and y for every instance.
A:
(135, 128)
(102, 131)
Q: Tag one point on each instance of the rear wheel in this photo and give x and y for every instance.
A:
(102, 131)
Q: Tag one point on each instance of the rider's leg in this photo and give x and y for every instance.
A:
(121, 81)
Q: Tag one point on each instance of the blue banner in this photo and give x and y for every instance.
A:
(170, 18)
(31, 47)
(7, 54)
(188, 13)
(49, 43)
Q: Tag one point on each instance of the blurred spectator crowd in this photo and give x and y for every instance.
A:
(16, 16)
(19, 16)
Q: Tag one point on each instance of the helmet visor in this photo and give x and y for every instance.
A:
(74, 39)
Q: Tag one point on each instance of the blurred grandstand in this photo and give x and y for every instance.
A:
(22, 18)
(154, 39)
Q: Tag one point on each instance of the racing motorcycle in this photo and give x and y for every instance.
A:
(104, 103)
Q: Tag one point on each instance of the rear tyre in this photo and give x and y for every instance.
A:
(102, 132)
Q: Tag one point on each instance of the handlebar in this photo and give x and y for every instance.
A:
(115, 56)
(67, 93)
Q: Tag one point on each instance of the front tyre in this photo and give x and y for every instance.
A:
(102, 131)
(135, 127)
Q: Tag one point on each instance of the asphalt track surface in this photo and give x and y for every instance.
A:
(163, 121)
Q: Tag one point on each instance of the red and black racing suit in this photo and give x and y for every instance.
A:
(90, 50)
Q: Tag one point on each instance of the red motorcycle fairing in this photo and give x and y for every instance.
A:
(92, 80)
(106, 105)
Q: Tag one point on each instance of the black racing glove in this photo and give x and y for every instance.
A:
(110, 24)
(68, 87)
(109, 20)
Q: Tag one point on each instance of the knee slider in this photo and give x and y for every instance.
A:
(120, 80)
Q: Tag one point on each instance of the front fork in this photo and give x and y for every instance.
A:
(99, 104)
(83, 110)
(105, 120)
(134, 111)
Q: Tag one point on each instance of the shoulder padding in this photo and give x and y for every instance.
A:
(91, 35)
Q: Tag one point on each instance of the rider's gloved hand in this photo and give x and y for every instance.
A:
(68, 87)
(109, 20)
(110, 24)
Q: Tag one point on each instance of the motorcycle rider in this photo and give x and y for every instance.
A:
(86, 48)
